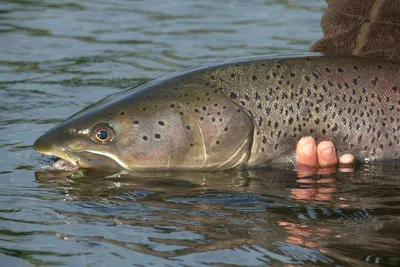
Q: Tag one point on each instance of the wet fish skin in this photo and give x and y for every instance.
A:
(241, 114)
(157, 127)
(352, 101)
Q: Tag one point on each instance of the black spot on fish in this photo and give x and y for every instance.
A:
(172, 105)
(264, 140)
(254, 78)
(233, 95)
(157, 136)
(145, 138)
(161, 123)
(233, 75)
(135, 122)
(204, 108)
(374, 81)
(340, 70)
(188, 127)
(196, 110)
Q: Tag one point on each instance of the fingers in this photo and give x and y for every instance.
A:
(309, 154)
(320, 159)
(306, 152)
(326, 152)
(347, 159)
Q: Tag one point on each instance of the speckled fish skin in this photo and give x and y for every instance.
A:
(242, 114)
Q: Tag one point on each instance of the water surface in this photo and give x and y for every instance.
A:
(57, 57)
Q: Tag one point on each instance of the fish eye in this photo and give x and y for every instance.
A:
(102, 134)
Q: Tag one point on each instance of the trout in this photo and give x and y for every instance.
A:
(241, 114)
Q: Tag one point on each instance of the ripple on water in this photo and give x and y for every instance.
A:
(57, 57)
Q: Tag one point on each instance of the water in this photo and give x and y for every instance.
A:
(57, 57)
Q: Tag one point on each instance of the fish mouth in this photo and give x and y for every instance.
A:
(63, 160)
(62, 164)
(80, 158)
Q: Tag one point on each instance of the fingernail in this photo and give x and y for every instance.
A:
(328, 153)
(308, 149)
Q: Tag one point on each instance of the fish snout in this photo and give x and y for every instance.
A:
(44, 145)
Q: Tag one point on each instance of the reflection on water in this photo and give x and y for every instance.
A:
(57, 57)
(246, 218)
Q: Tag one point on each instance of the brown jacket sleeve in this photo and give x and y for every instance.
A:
(368, 28)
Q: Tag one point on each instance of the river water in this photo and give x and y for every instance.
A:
(57, 57)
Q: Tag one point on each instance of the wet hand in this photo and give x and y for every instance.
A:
(321, 158)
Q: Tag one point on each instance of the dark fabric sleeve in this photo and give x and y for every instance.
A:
(368, 28)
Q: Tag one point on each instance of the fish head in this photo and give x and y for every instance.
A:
(152, 130)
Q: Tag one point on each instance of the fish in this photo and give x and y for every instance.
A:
(246, 113)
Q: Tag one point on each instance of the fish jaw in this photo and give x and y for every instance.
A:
(72, 160)
(44, 147)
